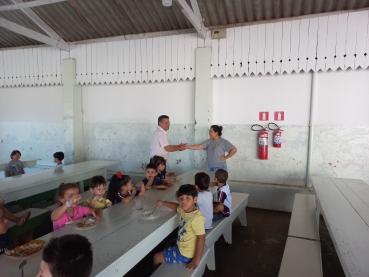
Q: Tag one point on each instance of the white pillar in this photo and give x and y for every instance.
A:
(203, 103)
(72, 102)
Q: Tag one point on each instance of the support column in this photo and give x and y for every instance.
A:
(72, 102)
(203, 103)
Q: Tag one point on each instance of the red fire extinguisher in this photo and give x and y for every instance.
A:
(263, 141)
(277, 134)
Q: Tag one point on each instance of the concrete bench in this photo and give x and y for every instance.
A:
(36, 218)
(303, 218)
(84, 196)
(221, 227)
(224, 226)
(180, 270)
(302, 256)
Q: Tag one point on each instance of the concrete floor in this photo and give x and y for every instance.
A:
(256, 250)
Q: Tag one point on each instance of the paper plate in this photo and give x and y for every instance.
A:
(160, 187)
(26, 250)
(156, 214)
(85, 224)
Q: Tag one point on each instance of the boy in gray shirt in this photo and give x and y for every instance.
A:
(205, 198)
(15, 166)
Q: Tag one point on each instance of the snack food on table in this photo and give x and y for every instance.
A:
(26, 249)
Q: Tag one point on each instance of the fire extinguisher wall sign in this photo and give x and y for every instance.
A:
(263, 141)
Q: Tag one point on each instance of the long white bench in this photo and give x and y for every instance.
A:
(221, 227)
(302, 256)
(180, 270)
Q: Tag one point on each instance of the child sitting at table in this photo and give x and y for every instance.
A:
(223, 207)
(151, 179)
(205, 198)
(68, 255)
(160, 162)
(15, 166)
(97, 188)
(191, 233)
(58, 159)
(4, 239)
(69, 197)
(121, 189)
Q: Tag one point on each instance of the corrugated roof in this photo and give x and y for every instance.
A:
(77, 20)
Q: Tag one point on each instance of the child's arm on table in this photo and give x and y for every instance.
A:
(129, 197)
(200, 242)
(73, 201)
(168, 204)
(150, 180)
(143, 189)
(97, 213)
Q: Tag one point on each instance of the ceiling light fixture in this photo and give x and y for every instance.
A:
(167, 3)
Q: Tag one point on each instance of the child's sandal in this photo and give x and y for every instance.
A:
(25, 218)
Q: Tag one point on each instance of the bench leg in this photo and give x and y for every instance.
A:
(81, 186)
(211, 259)
(242, 217)
(228, 234)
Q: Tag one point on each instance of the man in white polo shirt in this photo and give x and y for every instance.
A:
(159, 142)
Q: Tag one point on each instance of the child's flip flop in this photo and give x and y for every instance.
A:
(25, 218)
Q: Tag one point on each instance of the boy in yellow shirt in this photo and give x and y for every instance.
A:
(191, 233)
(98, 188)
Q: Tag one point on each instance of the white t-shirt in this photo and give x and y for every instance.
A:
(59, 165)
(205, 205)
(158, 142)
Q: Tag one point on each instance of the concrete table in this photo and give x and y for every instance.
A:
(25, 185)
(117, 220)
(345, 209)
(121, 240)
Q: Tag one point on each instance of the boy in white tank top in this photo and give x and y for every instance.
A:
(223, 207)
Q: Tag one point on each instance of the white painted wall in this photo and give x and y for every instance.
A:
(119, 121)
(239, 100)
(139, 103)
(31, 104)
(342, 97)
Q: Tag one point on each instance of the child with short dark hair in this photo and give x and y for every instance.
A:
(223, 207)
(97, 188)
(205, 198)
(15, 166)
(68, 255)
(121, 189)
(161, 164)
(69, 197)
(191, 233)
(151, 179)
(58, 159)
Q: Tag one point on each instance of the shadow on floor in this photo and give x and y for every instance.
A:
(256, 250)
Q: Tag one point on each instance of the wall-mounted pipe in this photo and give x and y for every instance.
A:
(314, 82)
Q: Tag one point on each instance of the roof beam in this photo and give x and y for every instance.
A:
(40, 23)
(16, 28)
(22, 5)
(193, 16)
